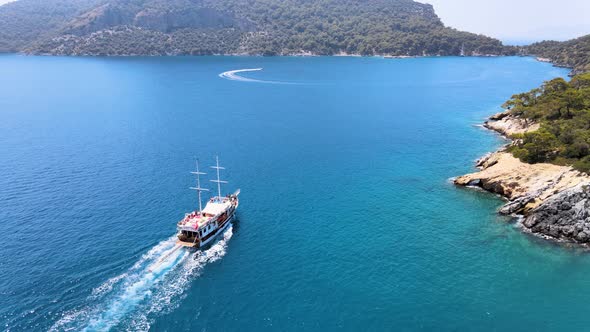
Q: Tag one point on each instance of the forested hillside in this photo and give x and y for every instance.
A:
(573, 53)
(561, 107)
(23, 22)
(268, 27)
(563, 110)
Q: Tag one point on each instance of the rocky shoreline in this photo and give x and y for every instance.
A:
(553, 201)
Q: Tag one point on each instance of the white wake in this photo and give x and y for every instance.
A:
(156, 283)
(233, 75)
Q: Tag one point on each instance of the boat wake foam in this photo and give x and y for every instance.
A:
(155, 284)
(233, 75)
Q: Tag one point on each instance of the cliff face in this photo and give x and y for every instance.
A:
(564, 216)
(161, 19)
(99, 18)
(554, 200)
(199, 18)
(508, 125)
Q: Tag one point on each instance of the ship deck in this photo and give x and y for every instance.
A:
(186, 244)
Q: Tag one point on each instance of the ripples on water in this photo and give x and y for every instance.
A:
(347, 218)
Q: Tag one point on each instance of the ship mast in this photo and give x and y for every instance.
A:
(198, 187)
(218, 181)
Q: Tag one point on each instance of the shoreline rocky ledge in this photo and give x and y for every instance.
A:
(553, 201)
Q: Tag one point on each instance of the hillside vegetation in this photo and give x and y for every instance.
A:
(269, 27)
(573, 53)
(563, 110)
(23, 22)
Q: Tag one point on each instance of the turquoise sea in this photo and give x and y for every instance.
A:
(348, 220)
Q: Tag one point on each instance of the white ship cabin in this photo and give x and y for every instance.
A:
(200, 225)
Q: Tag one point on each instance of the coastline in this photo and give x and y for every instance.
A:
(550, 201)
(300, 53)
(303, 55)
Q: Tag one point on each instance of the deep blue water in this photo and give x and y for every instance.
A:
(347, 219)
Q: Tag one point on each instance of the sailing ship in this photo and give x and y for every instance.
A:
(201, 227)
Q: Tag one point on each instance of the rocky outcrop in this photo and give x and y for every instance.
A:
(162, 19)
(198, 18)
(526, 186)
(564, 216)
(554, 200)
(508, 124)
(100, 18)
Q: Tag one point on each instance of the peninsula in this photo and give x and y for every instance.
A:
(543, 172)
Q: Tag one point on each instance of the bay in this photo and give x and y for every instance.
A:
(347, 221)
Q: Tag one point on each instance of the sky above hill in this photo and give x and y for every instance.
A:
(517, 20)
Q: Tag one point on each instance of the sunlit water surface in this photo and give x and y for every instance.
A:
(347, 220)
